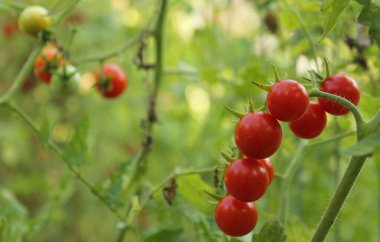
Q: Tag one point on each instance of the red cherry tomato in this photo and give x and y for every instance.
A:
(342, 86)
(269, 167)
(112, 82)
(246, 179)
(47, 62)
(311, 124)
(258, 135)
(287, 100)
(234, 217)
(10, 28)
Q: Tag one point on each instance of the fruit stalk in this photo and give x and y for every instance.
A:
(340, 196)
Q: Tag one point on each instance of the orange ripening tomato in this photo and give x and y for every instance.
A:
(47, 62)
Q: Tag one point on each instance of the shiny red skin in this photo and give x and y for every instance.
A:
(343, 86)
(258, 135)
(269, 168)
(246, 179)
(234, 217)
(40, 65)
(311, 124)
(116, 81)
(287, 100)
(10, 28)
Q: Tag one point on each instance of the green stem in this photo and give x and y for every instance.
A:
(337, 173)
(331, 139)
(378, 202)
(22, 75)
(344, 102)
(108, 55)
(340, 196)
(287, 179)
(305, 30)
(15, 109)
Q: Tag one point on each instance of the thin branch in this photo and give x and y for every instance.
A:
(331, 139)
(15, 109)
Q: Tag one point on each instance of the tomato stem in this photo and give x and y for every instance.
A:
(22, 74)
(234, 112)
(276, 76)
(251, 107)
(262, 86)
(358, 117)
(327, 67)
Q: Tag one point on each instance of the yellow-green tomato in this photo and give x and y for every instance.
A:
(33, 20)
(65, 81)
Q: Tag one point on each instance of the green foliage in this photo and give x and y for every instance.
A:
(332, 9)
(77, 150)
(165, 235)
(45, 131)
(13, 215)
(193, 189)
(365, 146)
(271, 231)
(370, 16)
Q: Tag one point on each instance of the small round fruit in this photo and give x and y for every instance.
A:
(287, 100)
(258, 135)
(47, 62)
(343, 86)
(234, 217)
(112, 82)
(311, 124)
(65, 80)
(246, 179)
(33, 20)
(269, 167)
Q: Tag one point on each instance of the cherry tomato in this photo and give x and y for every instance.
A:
(10, 28)
(342, 86)
(287, 100)
(311, 124)
(246, 179)
(47, 62)
(65, 80)
(258, 135)
(269, 167)
(234, 217)
(112, 82)
(33, 20)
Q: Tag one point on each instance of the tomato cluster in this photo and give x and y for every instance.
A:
(258, 135)
(53, 67)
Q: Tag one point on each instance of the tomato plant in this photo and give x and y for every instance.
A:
(343, 86)
(10, 28)
(246, 179)
(33, 20)
(258, 135)
(112, 81)
(234, 217)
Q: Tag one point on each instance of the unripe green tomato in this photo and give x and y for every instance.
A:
(65, 80)
(33, 20)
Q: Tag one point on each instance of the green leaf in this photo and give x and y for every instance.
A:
(332, 9)
(45, 131)
(370, 16)
(77, 150)
(193, 188)
(166, 235)
(271, 231)
(365, 146)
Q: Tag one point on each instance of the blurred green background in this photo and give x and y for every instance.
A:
(213, 50)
